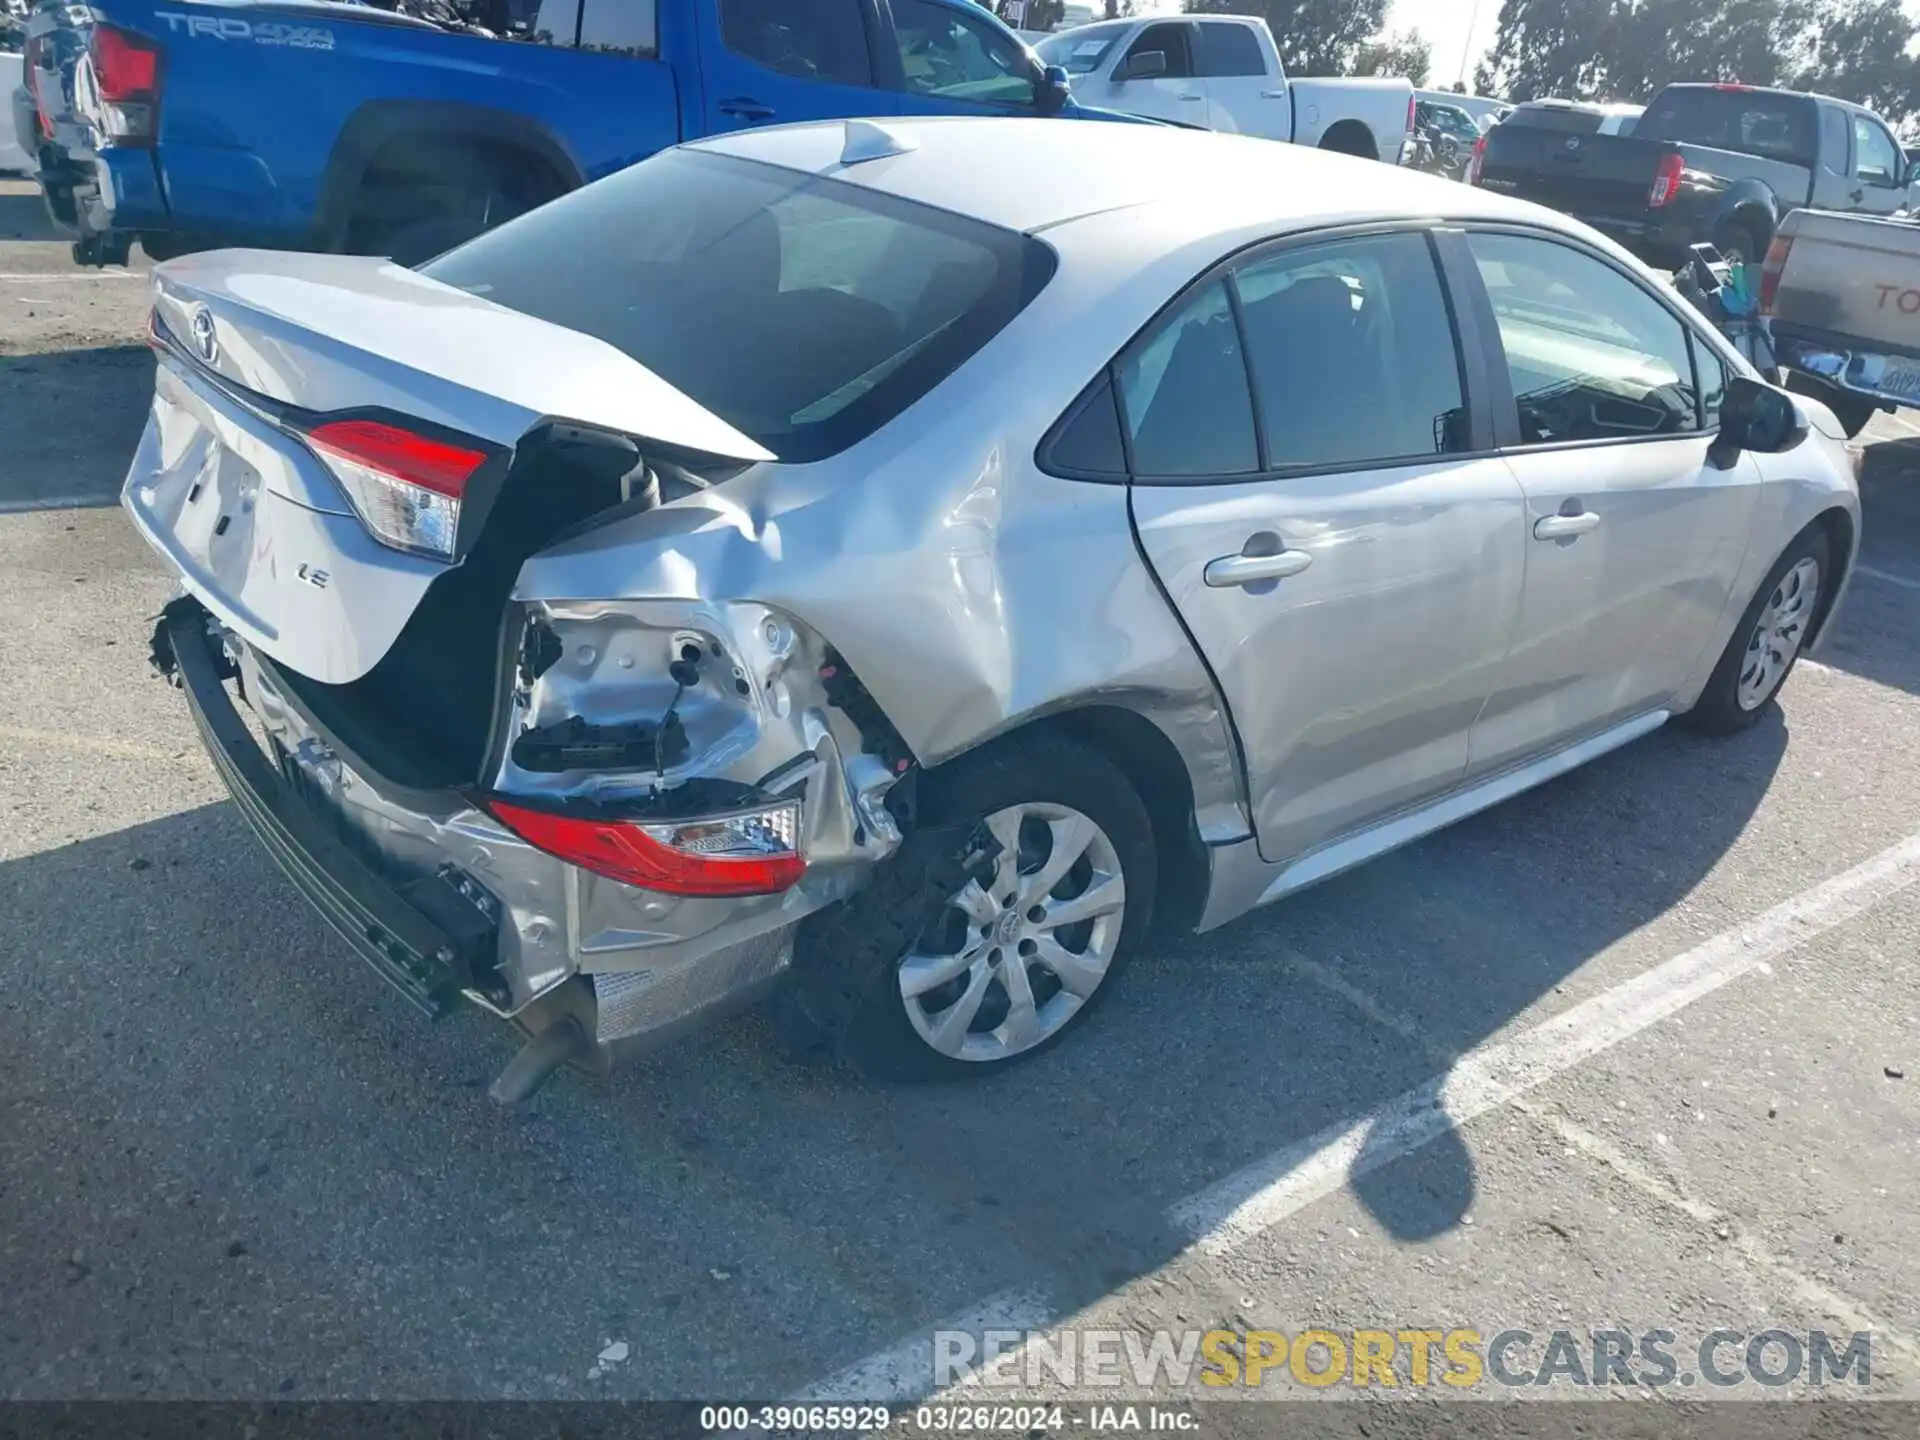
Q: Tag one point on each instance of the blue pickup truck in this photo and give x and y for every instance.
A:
(306, 124)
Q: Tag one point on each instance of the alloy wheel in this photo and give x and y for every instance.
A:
(1778, 634)
(1011, 960)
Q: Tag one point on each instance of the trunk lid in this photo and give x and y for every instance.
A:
(258, 349)
(1580, 174)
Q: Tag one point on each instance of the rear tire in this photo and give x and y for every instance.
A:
(1064, 796)
(1767, 642)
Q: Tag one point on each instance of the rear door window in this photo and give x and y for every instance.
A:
(814, 39)
(1229, 49)
(1188, 407)
(1352, 354)
(803, 311)
(620, 27)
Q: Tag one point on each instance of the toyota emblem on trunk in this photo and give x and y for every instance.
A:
(204, 340)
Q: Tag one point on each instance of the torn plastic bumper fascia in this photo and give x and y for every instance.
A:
(757, 708)
(757, 725)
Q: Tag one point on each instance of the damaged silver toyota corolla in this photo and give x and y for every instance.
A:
(885, 565)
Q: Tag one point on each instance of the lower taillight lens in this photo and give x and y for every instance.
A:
(1776, 263)
(406, 486)
(1479, 159)
(126, 73)
(1666, 180)
(749, 852)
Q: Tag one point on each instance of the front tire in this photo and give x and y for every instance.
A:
(1768, 640)
(1015, 961)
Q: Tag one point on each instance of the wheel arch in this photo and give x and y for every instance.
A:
(1842, 537)
(378, 123)
(1153, 765)
(1351, 137)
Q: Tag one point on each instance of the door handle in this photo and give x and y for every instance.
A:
(1273, 94)
(1565, 527)
(1193, 97)
(1232, 570)
(745, 109)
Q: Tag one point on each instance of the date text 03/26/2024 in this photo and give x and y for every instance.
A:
(984, 1419)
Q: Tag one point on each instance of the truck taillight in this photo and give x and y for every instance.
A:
(1479, 159)
(126, 79)
(1776, 262)
(407, 487)
(1413, 113)
(1666, 180)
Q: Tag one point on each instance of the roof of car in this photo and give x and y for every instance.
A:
(1030, 174)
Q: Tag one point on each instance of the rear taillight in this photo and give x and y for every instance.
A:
(408, 487)
(751, 852)
(1413, 113)
(1666, 180)
(1776, 262)
(30, 65)
(1478, 161)
(126, 77)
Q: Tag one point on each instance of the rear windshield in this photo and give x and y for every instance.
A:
(803, 311)
(1748, 122)
(1555, 117)
(1081, 51)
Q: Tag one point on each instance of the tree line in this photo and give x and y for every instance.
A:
(1859, 50)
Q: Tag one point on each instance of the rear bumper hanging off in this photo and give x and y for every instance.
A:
(428, 938)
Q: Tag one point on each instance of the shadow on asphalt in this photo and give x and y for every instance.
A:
(69, 421)
(215, 989)
(1877, 638)
(24, 217)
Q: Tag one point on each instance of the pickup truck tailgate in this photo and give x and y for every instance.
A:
(1853, 276)
(1578, 174)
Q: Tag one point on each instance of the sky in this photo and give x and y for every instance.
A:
(1453, 27)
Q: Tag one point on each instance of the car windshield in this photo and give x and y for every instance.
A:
(1749, 122)
(804, 311)
(1080, 51)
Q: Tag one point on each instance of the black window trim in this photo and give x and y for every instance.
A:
(1507, 410)
(1479, 389)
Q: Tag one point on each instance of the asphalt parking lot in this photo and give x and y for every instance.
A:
(1669, 1002)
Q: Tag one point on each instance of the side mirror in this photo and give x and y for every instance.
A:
(1142, 65)
(1758, 417)
(1054, 90)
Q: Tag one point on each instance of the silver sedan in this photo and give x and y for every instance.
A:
(886, 565)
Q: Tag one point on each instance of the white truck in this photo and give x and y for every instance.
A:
(1223, 72)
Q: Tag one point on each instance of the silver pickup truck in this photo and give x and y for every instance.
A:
(1842, 293)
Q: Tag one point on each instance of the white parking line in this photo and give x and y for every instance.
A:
(1906, 582)
(66, 275)
(1270, 1191)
